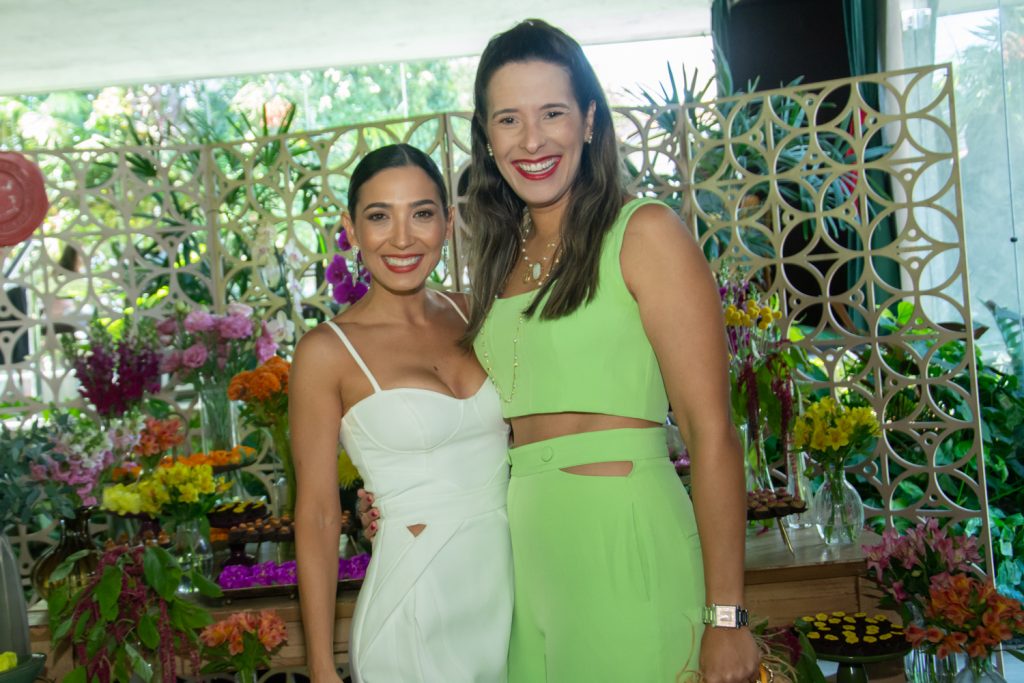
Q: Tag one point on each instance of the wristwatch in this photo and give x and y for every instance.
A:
(725, 616)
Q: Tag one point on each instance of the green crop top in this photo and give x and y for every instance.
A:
(596, 360)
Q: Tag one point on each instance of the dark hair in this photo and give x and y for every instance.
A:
(494, 211)
(394, 156)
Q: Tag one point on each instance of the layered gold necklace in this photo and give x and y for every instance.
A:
(535, 271)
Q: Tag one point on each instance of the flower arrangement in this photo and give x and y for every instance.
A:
(177, 493)
(129, 617)
(903, 565)
(80, 459)
(116, 373)
(760, 369)
(243, 642)
(158, 437)
(832, 433)
(346, 289)
(236, 576)
(208, 349)
(965, 615)
(264, 396)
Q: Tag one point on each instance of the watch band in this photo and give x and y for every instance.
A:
(725, 616)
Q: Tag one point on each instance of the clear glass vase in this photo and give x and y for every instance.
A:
(74, 536)
(926, 667)
(218, 417)
(979, 670)
(837, 510)
(13, 611)
(193, 551)
(798, 486)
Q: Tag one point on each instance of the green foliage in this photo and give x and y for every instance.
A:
(129, 616)
(18, 449)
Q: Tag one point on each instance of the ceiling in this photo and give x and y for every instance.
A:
(52, 45)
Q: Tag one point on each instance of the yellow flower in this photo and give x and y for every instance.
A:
(8, 660)
(347, 472)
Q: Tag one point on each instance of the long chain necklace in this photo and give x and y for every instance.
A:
(535, 272)
(515, 361)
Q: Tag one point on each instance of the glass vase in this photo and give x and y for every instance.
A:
(13, 611)
(74, 536)
(798, 486)
(979, 670)
(284, 487)
(926, 667)
(755, 459)
(193, 551)
(218, 417)
(837, 510)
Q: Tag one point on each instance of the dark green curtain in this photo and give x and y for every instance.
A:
(862, 24)
(720, 40)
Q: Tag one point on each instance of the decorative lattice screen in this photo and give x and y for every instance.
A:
(848, 211)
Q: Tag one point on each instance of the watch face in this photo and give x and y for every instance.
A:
(725, 616)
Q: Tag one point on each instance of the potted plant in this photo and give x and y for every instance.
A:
(129, 620)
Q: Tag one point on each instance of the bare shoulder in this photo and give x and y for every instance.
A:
(317, 347)
(459, 299)
(658, 244)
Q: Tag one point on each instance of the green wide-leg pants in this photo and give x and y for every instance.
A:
(609, 582)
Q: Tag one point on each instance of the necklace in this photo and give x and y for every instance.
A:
(535, 272)
(515, 360)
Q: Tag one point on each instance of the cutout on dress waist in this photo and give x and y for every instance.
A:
(416, 529)
(614, 468)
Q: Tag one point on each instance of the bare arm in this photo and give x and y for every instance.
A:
(682, 316)
(314, 413)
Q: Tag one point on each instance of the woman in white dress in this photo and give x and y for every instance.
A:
(423, 424)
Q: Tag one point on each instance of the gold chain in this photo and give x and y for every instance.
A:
(535, 270)
(515, 361)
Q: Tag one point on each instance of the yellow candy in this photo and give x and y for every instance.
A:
(821, 625)
(8, 660)
(833, 620)
(849, 627)
(831, 637)
(871, 630)
(814, 635)
(839, 614)
(807, 618)
(885, 636)
(821, 616)
(869, 639)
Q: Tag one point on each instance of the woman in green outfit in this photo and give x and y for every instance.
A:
(590, 311)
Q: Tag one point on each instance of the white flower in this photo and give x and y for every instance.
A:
(281, 328)
(293, 256)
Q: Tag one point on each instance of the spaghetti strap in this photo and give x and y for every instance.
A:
(355, 355)
(454, 305)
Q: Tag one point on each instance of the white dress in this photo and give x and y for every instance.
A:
(437, 607)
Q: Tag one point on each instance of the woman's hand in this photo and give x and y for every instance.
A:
(729, 655)
(368, 515)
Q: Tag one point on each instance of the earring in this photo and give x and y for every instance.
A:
(589, 137)
(444, 250)
(490, 150)
(356, 256)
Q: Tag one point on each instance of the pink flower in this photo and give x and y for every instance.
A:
(194, 356)
(235, 327)
(266, 347)
(167, 326)
(199, 321)
(171, 363)
(236, 308)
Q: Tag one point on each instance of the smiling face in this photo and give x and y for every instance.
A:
(537, 130)
(399, 224)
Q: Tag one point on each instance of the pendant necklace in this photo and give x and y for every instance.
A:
(535, 269)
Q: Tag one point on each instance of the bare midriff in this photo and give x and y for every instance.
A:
(533, 428)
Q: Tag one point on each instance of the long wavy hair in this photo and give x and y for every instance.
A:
(494, 211)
